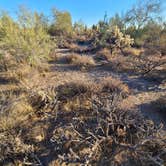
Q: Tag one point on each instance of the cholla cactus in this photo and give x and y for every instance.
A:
(112, 38)
(121, 39)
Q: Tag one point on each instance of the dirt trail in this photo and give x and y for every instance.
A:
(144, 91)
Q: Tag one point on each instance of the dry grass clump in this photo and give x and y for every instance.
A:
(122, 63)
(26, 74)
(7, 61)
(76, 95)
(55, 56)
(72, 89)
(22, 72)
(132, 51)
(103, 54)
(13, 113)
(73, 47)
(80, 61)
(112, 85)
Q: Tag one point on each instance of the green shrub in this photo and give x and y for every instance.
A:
(25, 39)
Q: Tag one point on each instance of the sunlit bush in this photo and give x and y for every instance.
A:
(26, 39)
(80, 61)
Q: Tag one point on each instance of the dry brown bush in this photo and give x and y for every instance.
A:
(14, 112)
(115, 85)
(74, 93)
(132, 51)
(6, 61)
(121, 63)
(103, 54)
(56, 57)
(73, 47)
(88, 127)
(149, 61)
(83, 61)
(104, 133)
(141, 61)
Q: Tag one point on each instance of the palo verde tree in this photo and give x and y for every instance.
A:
(118, 21)
(62, 23)
(26, 39)
(79, 27)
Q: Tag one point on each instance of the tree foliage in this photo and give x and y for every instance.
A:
(62, 23)
(143, 12)
(118, 21)
(79, 27)
(142, 19)
(26, 38)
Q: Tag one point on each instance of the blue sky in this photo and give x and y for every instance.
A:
(89, 11)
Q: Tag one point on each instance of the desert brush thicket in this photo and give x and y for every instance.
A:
(83, 121)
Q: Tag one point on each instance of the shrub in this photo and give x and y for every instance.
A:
(80, 61)
(104, 133)
(113, 85)
(72, 89)
(79, 95)
(76, 95)
(103, 54)
(132, 51)
(13, 148)
(14, 113)
(121, 63)
(26, 39)
(149, 61)
(112, 38)
(62, 23)
(7, 61)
